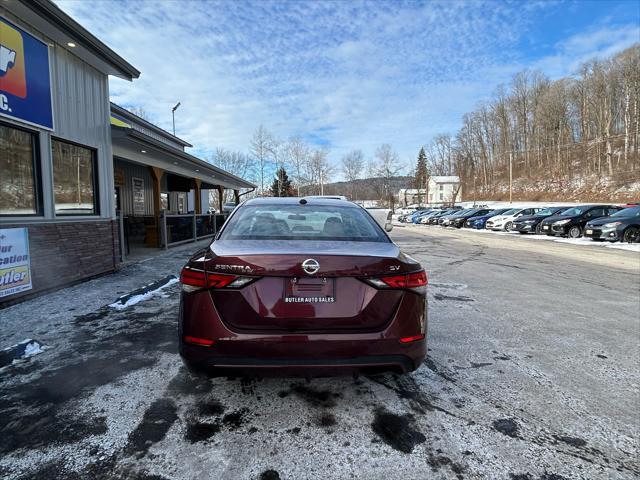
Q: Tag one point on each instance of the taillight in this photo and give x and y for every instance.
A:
(414, 281)
(193, 280)
(203, 342)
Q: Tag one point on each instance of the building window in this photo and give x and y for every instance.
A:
(441, 187)
(441, 196)
(74, 179)
(19, 184)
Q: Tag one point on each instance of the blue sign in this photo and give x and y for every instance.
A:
(25, 85)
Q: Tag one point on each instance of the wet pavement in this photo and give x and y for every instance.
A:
(532, 374)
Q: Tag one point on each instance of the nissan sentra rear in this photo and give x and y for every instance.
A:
(302, 287)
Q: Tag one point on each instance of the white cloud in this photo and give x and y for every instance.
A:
(348, 74)
(597, 43)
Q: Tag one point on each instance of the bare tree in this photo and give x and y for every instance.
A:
(319, 170)
(141, 112)
(441, 154)
(261, 147)
(386, 165)
(298, 153)
(352, 167)
(278, 153)
(237, 163)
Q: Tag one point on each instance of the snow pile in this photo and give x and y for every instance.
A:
(25, 349)
(32, 348)
(144, 293)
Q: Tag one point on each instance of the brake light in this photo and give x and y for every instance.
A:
(203, 342)
(415, 281)
(410, 280)
(193, 280)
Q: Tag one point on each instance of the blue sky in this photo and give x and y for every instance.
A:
(342, 74)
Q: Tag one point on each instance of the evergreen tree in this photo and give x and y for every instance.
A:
(281, 186)
(422, 174)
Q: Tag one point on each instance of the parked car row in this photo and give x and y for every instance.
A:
(598, 222)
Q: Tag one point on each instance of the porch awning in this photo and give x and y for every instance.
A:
(130, 144)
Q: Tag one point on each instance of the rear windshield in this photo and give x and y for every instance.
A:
(303, 222)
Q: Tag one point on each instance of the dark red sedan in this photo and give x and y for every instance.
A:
(303, 287)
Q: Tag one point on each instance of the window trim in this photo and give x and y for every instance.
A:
(37, 173)
(96, 184)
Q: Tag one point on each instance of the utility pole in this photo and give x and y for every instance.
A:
(474, 187)
(173, 117)
(510, 175)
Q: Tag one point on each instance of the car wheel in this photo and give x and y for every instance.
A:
(507, 226)
(574, 232)
(538, 229)
(631, 235)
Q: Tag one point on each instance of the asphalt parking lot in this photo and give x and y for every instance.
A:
(532, 374)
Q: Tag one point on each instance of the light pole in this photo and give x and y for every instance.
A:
(173, 117)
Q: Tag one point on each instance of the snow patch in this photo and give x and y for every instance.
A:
(144, 293)
(32, 348)
(24, 349)
(632, 247)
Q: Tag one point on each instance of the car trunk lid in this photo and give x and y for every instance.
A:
(286, 297)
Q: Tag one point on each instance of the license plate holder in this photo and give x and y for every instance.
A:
(309, 290)
(589, 232)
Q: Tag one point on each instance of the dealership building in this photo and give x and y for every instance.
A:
(84, 182)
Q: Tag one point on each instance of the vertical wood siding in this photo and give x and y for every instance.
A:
(131, 170)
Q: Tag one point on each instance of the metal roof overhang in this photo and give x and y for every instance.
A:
(129, 143)
(130, 117)
(47, 17)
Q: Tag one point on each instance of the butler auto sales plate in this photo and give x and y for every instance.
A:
(309, 290)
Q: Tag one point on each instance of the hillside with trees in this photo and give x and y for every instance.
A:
(572, 138)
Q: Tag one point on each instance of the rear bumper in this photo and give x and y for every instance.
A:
(220, 365)
(302, 353)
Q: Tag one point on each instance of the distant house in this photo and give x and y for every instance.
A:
(442, 189)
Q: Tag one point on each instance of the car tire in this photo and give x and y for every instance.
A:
(507, 226)
(631, 235)
(574, 232)
(538, 229)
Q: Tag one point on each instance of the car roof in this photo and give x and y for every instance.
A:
(296, 201)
